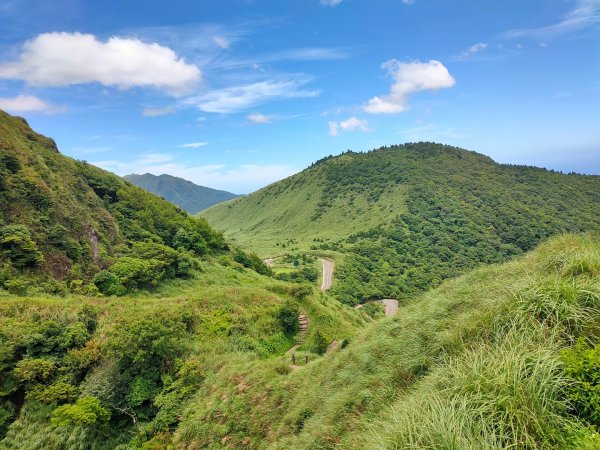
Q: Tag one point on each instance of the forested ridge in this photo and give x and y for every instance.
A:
(183, 193)
(442, 211)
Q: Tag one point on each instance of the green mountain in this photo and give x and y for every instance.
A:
(401, 219)
(67, 224)
(183, 193)
(116, 305)
(125, 323)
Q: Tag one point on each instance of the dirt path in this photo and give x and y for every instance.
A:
(327, 274)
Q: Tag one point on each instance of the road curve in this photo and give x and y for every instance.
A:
(327, 274)
(391, 306)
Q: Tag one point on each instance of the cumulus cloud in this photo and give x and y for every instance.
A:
(61, 59)
(239, 179)
(351, 124)
(194, 145)
(586, 13)
(259, 118)
(29, 103)
(240, 98)
(154, 112)
(409, 78)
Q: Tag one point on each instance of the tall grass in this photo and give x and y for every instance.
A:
(473, 364)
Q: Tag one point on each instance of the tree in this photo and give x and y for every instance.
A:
(17, 245)
(86, 411)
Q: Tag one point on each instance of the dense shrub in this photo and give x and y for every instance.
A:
(287, 316)
(17, 245)
(582, 367)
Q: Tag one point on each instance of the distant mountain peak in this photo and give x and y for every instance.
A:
(183, 193)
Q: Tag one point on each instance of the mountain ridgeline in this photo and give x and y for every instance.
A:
(403, 218)
(65, 224)
(183, 193)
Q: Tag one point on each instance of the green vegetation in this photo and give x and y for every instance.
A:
(185, 194)
(126, 323)
(79, 372)
(475, 363)
(402, 219)
(66, 225)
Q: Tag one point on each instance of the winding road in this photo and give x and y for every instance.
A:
(327, 274)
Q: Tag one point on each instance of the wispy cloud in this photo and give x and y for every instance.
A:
(409, 78)
(585, 14)
(259, 118)
(351, 124)
(222, 42)
(240, 179)
(331, 2)
(194, 145)
(471, 51)
(28, 103)
(154, 112)
(241, 98)
(63, 59)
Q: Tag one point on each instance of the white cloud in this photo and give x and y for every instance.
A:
(331, 2)
(472, 50)
(29, 103)
(259, 118)
(60, 59)
(409, 78)
(333, 128)
(586, 13)
(239, 179)
(222, 42)
(153, 112)
(240, 98)
(351, 124)
(194, 145)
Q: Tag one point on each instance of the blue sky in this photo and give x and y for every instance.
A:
(237, 94)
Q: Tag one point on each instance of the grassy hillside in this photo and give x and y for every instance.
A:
(487, 360)
(406, 217)
(87, 372)
(183, 193)
(67, 225)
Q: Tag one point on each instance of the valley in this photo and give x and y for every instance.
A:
(135, 325)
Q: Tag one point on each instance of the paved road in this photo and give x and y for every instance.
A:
(391, 306)
(327, 274)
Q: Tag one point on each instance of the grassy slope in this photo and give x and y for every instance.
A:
(474, 363)
(283, 213)
(233, 315)
(79, 216)
(407, 217)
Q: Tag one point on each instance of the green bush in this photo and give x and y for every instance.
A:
(287, 316)
(16, 244)
(582, 367)
(138, 273)
(108, 283)
(33, 370)
(86, 411)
